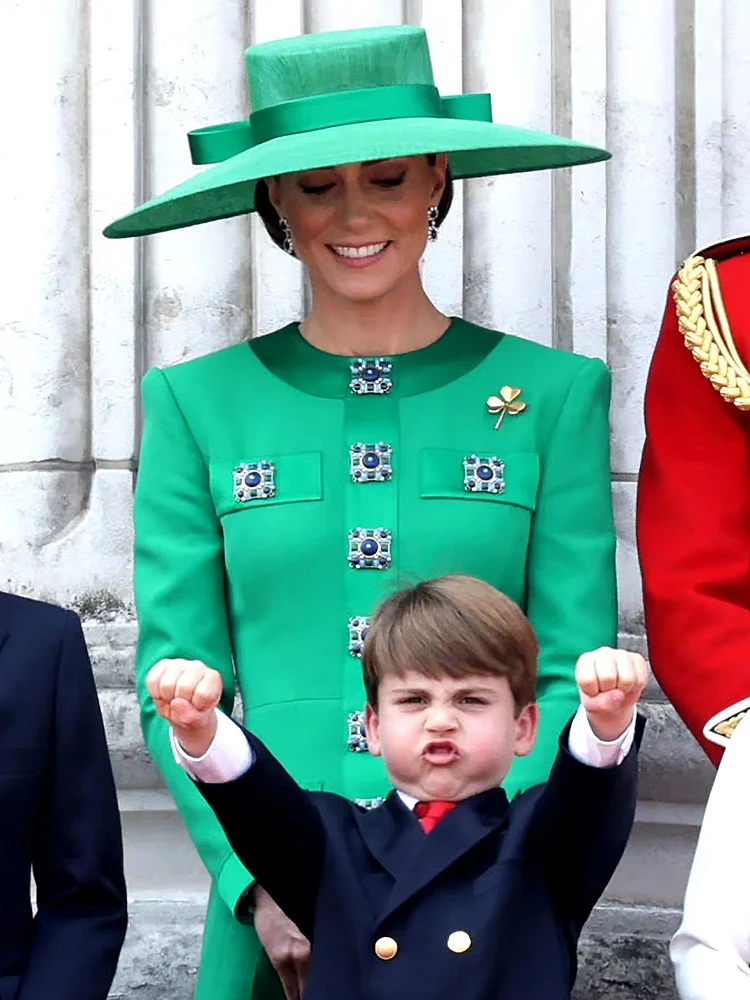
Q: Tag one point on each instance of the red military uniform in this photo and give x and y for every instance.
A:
(694, 495)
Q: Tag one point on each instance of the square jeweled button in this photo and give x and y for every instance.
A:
(484, 475)
(371, 376)
(254, 481)
(356, 738)
(370, 463)
(369, 548)
(357, 634)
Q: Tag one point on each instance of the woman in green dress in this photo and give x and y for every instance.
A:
(286, 484)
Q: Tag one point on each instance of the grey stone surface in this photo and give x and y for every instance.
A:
(623, 955)
(160, 958)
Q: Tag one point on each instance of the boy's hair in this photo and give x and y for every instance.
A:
(453, 626)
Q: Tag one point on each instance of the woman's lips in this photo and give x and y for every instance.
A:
(359, 262)
(440, 752)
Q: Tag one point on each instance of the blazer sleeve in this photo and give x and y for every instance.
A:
(694, 539)
(276, 830)
(711, 949)
(77, 858)
(581, 826)
(181, 603)
(571, 580)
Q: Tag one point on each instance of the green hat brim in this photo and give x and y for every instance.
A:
(475, 149)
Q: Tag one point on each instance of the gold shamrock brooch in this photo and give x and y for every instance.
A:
(507, 402)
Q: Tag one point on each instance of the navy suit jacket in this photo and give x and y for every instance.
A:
(519, 879)
(58, 814)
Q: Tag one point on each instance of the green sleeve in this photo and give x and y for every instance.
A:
(180, 599)
(572, 583)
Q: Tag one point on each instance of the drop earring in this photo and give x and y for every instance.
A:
(432, 229)
(288, 241)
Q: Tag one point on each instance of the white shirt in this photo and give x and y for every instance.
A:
(230, 755)
(711, 949)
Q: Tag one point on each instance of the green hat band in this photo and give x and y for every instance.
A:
(310, 114)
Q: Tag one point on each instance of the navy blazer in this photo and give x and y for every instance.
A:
(520, 880)
(58, 814)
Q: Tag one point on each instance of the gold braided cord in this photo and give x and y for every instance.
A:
(704, 325)
(727, 726)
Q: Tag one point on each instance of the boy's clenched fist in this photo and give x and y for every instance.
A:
(610, 682)
(185, 693)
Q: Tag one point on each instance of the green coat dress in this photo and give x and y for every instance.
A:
(282, 493)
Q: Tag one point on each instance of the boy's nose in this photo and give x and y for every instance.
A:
(441, 720)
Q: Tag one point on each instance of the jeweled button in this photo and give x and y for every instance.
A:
(484, 475)
(356, 738)
(370, 462)
(369, 548)
(254, 481)
(358, 629)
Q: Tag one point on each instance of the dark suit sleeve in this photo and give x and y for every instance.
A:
(581, 826)
(276, 831)
(82, 905)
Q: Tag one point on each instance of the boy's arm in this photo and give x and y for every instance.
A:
(274, 828)
(583, 819)
(270, 822)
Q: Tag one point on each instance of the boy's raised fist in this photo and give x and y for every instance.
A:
(185, 693)
(610, 682)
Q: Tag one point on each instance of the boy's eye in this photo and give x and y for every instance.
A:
(412, 699)
(474, 700)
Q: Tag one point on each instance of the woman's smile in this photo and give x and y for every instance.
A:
(362, 255)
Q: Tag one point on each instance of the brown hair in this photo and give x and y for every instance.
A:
(452, 626)
(271, 221)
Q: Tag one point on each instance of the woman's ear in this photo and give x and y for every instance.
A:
(274, 194)
(440, 169)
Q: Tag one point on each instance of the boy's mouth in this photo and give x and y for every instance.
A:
(440, 752)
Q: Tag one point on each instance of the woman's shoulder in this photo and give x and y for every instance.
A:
(550, 362)
(217, 368)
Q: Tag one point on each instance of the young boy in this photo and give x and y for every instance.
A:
(446, 890)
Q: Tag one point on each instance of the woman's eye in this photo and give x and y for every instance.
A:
(315, 188)
(390, 182)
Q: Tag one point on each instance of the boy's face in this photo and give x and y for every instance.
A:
(448, 738)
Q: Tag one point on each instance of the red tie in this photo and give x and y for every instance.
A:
(430, 813)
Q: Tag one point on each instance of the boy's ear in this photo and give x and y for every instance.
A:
(527, 723)
(372, 730)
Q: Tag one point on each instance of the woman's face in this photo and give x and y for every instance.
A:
(361, 228)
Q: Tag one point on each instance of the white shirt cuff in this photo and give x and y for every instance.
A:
(228, 757)
(586, 747)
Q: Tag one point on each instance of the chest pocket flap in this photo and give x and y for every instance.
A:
(247, 484)
(443, 475)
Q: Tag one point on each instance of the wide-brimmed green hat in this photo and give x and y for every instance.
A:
(343, 97)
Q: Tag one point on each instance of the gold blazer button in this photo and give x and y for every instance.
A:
(459, 942)
(385, 948)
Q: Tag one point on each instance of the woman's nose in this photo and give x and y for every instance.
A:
(353, 207)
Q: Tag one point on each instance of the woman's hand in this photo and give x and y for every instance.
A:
(286, 946)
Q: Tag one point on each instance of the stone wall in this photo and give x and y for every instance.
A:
(103, 94)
